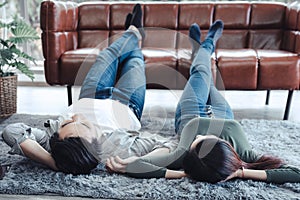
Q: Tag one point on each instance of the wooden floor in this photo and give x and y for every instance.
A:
(245, 104)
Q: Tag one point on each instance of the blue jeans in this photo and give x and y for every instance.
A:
(100, 82)
(200, 97)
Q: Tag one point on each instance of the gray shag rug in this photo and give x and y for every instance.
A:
(280, 138)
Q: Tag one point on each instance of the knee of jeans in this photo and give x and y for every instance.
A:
(104, 93)
(13, 132)
(223, 114)
(202, 69)
(137, 62)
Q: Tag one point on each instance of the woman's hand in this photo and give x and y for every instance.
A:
(252, 174)
(237, 174)
(174, 174)
(116, 164)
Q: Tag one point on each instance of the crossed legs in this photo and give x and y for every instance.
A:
(125, 52)
(200, 97)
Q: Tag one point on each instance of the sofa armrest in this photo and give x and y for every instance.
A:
(297, 40)
(292, 25)
(59, 22)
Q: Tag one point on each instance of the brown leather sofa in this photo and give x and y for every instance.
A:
(259, 49)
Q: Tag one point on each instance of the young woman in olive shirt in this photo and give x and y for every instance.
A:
(213, 146)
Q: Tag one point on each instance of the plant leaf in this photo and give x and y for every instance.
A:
(21, 54)
(6, 55)
(24, 69)
(3, 25)
(23, 33)
(4, 43)
(3, 4)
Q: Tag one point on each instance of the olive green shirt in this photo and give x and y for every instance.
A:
(229, 130)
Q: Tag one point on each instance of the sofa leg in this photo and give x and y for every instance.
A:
(69, 89)
(268, 97)
(288, 105)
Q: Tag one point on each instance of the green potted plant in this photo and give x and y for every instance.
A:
(12, 58)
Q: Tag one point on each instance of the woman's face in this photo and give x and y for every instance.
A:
(77, 126)
(199, 138)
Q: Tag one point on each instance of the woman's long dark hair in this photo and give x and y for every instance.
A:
(71, 155)
(220, 161)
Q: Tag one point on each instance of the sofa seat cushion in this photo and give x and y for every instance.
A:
(184, 65)
(278, 69)
(160, 69)
(75, 64)
(238, 68)
(93, 39)
(156, 55)
(184, 61)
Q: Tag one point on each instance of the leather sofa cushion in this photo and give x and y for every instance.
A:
(93, 16)
(297, 50)
(93, 38)
(238, 68)
(184, 65)
(58, 43)
(160, 67)
(161, 15)
(62, 16)
(118, 13)
(51, 71)
(298, 22)
(202, 14)
(277, 70)
(165, 56)
(289, 40)
(183, 41)
(267, 16)
(265, 39)
(240, 19)
(161, 76)
(292, 15)
(233, 39)
(75, 64)
(297, 45)
(160, 38)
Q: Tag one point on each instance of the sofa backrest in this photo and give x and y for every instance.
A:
(292, 32)
(293, 28)
(247, 25)
(59, 21)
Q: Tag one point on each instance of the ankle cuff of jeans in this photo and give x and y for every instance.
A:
(136, 33)
(209, 45)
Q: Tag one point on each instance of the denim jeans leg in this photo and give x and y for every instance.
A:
(220, 106)
(102, 74)
(193, 102)
(131, 86)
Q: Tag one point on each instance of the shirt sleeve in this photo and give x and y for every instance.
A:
(156, 166)
(283, 174)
